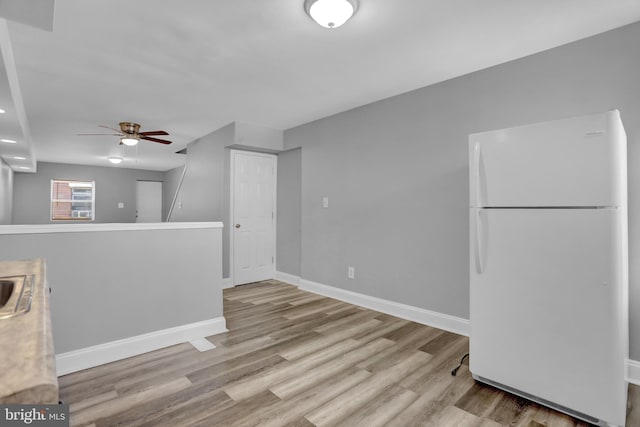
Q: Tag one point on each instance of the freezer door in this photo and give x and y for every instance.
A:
(572, 162)
(547, 306)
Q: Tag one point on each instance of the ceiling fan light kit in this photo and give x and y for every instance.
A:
(330, 13)
(129, 141)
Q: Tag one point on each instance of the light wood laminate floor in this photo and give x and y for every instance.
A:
(292, 358)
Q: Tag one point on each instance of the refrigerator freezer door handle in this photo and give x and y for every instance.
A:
(476, 166)
(478, 245)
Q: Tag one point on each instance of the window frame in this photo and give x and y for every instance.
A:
(89, 202)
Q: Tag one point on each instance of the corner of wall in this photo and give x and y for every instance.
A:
(6, 193)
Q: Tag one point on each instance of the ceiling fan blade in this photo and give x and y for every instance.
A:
(153, 132)
(161, 141)
(109, 127)
(103, 134)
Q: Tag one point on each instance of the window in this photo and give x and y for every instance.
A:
(72, 200)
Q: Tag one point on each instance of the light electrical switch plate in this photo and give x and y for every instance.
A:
(325, 202)
(120, 205)
(351, 273)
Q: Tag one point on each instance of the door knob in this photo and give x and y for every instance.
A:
(237, 225)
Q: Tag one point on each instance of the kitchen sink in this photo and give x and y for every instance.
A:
(15, 295)
(6, 290)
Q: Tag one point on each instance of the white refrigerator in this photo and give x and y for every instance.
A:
(548, 264)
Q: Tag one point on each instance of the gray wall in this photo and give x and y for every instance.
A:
(205, 191)
(204, 195)
(396, 171)
(201, 194)
(38, 14)
(171, 181)
(255, 136)
(108, 286)
(32, 192)
(6, 193)
(289, 216)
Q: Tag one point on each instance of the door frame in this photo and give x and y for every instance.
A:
(232, 155)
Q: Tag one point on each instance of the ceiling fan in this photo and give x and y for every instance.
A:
(130, 134)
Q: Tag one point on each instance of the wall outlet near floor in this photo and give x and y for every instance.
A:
(351, 273)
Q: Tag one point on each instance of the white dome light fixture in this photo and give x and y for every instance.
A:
(330, 13)
(115, 160)
(129, 140)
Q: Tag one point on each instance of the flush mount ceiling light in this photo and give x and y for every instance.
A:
(330, 13)
(130, 141)
(115, 160)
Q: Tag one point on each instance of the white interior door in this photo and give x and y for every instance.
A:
(253, 216)
(546, 298)
(149, 201)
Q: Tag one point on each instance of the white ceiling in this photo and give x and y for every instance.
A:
(192, 66)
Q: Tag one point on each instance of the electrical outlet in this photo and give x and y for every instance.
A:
(351, 273)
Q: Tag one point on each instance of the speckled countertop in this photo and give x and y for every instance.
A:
(27, 358)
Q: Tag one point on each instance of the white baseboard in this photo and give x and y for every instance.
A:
(633, 371)
(96, 355)
(287, 278)
(449, 323)
(227, 283)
